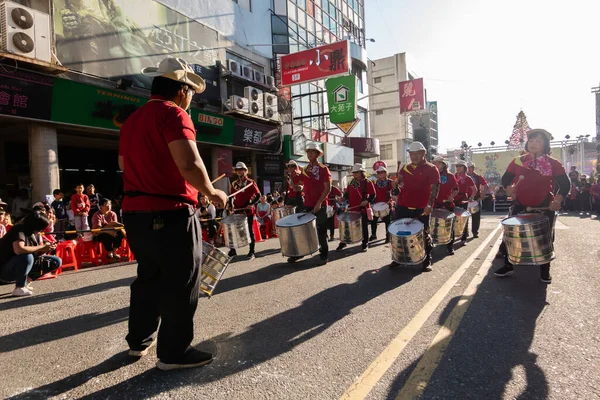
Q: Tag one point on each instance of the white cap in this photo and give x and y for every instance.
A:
(178, 70)
(461, 162)
(440, 159)
(416, 146)
(292, 163)
(358, 167)
(314, 146)
(470, 164)
(241, 165)
(381, 169)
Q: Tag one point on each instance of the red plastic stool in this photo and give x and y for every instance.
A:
(88, 252)
(67, 252)
(256, 230)
(125, 251)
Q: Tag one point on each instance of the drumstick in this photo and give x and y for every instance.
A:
(239, 191)
(521, 177)
(398, 164)
(218, 178)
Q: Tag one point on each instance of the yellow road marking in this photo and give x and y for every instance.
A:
(367, 381)
(415, 385)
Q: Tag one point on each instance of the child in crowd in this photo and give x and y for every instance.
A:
(60, 212)
(280, 202)
(80, 204)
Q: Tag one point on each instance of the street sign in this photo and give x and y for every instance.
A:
(341, 98)
(316, 63)
(347, 127)
(412, 95)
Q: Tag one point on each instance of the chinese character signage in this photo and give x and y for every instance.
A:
(363, 147)
(341, 98)
(211, 127)
(270, 165)
(257, 136)
(412, 95)
(316, 63)
(23, 94)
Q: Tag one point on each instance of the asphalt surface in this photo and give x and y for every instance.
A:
(300, 331)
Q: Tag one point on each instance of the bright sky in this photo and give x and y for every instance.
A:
(484, 61)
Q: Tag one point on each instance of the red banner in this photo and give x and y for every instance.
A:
(314, 64)
(412, 95)
(224, 161)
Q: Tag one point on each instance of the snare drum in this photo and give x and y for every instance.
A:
(214, 264)
(236, 231)
(460, 221)
(381, 209)
(282, 212)
(440, 226)
(408, 241)
(350, 227)
(528, 239)
(298, 235)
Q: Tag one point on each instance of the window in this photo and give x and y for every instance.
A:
(386, 152)
(379, 112)
(377, 80)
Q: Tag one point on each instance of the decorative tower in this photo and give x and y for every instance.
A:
(519, 134)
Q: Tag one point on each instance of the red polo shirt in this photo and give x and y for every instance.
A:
(314, 178)
(417, 181)
(383, 190)
(479, 181)
(148, 164)
(466, 188)
(535, 187)
(447, 186)
(242, 199)
(296, 180)
(335, 191)
(358, 191)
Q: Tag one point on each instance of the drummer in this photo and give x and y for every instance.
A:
(360, 193)
(334, 196)
(244, 202)
(420, 182)
(383, 194)
(466, 193)
(542, 177)
(448, 189)
(317, 185)
(482, 187)
(295, 195)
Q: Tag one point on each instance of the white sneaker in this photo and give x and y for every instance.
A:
(21, 292)
(29, 286)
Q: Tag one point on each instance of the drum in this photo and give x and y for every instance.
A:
(214, 264)
(282, 212)
(408, 241)
(298, 235)
(381, 209)
(441, 223)
(235, 231)
(473, 207)
(460, 221)
(350, 227)
(528, 239)
(330, 211)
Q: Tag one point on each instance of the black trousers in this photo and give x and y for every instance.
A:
(386, 221)
(166, 288)
(298, 202)
(405, 212)
(516, 209)
(476, 220)
(331, 225)
(365, 229)
(322, 226)
(109, 241)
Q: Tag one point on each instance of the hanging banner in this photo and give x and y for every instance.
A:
(257, 136)
(316, 63)
(412, 95)
(224, 161)
(341, 99)
(25, 94)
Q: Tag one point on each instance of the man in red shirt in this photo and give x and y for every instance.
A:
(482, 187)
(448, 189)
(466, 192)
(360, 193)
(420, 183)
(383, 194)
(332, 199)
(244, 202)
(162, 174)
(317, 185)
(295, 196)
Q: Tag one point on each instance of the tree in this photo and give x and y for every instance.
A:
(519, 134)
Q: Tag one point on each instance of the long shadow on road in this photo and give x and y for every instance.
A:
(262, 342)
(494, 337)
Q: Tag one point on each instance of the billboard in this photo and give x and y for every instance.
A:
(412, 95)
(117, 38)
(316, 63)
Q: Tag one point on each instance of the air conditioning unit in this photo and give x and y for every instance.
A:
(270, 81)
(25, 32)
(247, 73)
(234, 68)
(258, 77)
(255, 98)
(239, 104)
(271, 107)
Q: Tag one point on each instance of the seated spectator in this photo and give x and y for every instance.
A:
(45, 208)
(106, 218)
(95, 200)
(501, 194)
(21, 254)
(207, 213)
(280, 202)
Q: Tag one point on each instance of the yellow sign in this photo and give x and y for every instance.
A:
(347, 127)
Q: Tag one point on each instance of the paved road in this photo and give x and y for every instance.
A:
(352, 329)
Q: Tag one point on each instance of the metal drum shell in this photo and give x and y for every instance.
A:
(473, 207)
(408, 249)
(381, 210)
(350, 227)
(214, 264)
(528, 239)
(298, 235)
(236, 232)
(441, 224)
(461, 217)
(282, 212)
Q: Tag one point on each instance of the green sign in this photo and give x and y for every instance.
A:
(80, 104)
(212, 128)
(341, 96)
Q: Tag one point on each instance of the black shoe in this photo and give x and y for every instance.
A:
(322, 261)
(191, 359)
(341, 247)
(364, 248)
(463, 242)
(507, 270)
(450, 251)
(545, 274)
(331, 239)
(475, 235)
(499, 255)
(372, 238)
(250, 256)
(394, 264)
(232, 253)
(141, 352)
(292, 260)
(427, 265)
